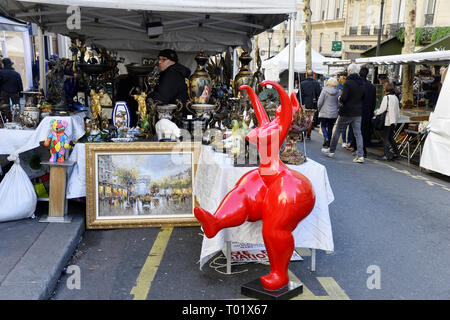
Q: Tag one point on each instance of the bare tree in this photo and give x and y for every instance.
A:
(408, 47)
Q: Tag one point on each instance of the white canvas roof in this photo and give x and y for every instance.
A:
(188, 25)
(274, 66)
(202, 6)
(411, 58)
(12, 25)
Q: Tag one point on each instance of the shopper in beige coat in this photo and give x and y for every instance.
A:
(390, 105)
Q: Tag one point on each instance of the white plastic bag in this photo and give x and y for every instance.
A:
(17, 196)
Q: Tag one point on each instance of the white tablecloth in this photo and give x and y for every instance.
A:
(76, 175)
(216, 176)
(18, 141)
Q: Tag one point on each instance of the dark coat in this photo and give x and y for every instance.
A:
(309, 90)
(352, 96)
(10, 81)
(370, 100)
(172, 85)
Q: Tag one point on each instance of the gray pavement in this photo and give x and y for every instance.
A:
(33, 254)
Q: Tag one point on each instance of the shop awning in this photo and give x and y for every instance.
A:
(441, 44)
(188, 25)
(391, 46)
(435, 57)
(7, 24)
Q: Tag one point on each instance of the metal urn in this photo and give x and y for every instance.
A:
(200, 84)
(244, 76)
(31, 112)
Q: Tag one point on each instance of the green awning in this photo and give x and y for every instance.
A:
(388, 47)
(441, 44)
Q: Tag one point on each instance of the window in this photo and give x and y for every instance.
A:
(320, 43)
(356, 8)
(429, 13)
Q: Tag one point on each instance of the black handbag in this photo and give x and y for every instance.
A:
(378, 121)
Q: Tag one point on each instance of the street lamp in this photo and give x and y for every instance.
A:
(380, 30)
(269, 36)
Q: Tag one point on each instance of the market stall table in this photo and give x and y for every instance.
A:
(216, 176)
(19, 141)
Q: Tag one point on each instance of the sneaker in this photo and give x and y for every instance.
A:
(359, 160)
(344, 145)
(325, 150)
(329, 154)
(308, 137)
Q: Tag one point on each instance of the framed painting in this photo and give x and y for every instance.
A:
(142, 184)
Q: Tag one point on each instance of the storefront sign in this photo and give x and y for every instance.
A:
(360, 47)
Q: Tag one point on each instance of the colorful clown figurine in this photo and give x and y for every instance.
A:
(57, 140)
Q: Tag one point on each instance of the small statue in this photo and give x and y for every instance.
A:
(57, 140)
(142, 106)
(96, 106)
(167, 130)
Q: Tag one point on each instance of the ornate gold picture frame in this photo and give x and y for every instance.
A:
(142, 184)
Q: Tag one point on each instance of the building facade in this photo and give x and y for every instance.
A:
(363, 19)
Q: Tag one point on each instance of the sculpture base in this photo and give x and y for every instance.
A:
(255, 289)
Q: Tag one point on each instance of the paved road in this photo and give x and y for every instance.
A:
(390, 228)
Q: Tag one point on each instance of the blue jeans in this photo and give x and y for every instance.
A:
(342, 123)
(327, 125)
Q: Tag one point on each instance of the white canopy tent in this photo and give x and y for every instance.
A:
(7, 24)
(436, 150)
(188, 25)
(274, 66)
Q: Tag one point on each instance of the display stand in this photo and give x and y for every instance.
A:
(57, 207)
(254, 289)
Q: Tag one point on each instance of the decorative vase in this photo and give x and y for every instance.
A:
(244, 76)
(30, 116)
(200, 82)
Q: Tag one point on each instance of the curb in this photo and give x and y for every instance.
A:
(36, 274)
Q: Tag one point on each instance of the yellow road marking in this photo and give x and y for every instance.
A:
(334, 291)
(148, 271)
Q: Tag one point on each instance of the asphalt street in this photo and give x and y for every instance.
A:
(390, 226)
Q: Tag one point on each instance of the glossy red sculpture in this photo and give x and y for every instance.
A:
(281, 197)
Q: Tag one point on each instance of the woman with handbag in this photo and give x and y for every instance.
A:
(328, 109)
(390, 108)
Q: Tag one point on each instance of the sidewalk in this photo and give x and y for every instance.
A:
(33, 254)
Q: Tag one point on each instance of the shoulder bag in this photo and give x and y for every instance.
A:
(379, 120)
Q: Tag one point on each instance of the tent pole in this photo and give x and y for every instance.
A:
(292, 36)
(41, 61)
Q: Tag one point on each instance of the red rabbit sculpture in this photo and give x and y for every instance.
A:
(281, 197)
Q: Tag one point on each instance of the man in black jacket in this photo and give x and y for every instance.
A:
(172, 84)
(310, 92)
(350, 113)
(368, 107)
(10, 83)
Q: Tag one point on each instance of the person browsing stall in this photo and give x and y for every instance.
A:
(390, 105)
(172, 84)
(10, 83)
